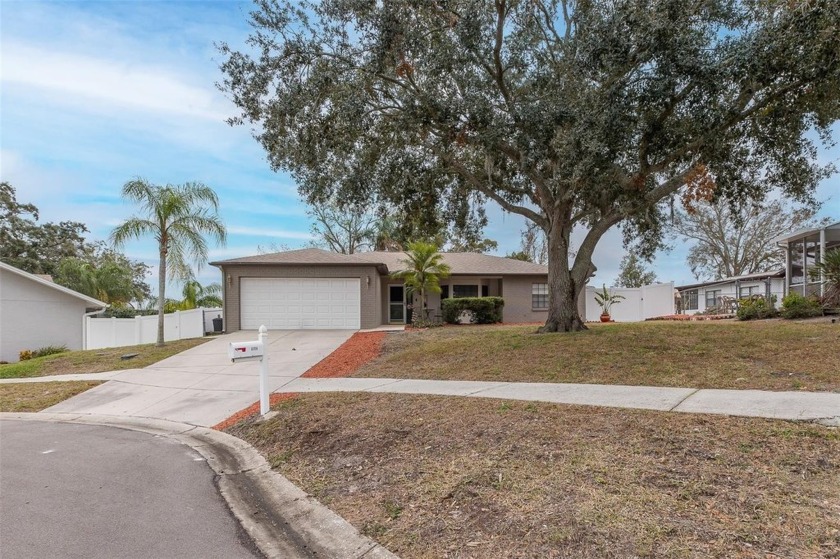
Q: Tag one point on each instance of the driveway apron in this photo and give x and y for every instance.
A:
(201, 386)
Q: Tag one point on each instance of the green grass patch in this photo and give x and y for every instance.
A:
(37, 396)
(769, 355)
(96, 360)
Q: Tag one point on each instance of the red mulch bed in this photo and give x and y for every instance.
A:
(352, 354)
(343, 362)
(253, 409)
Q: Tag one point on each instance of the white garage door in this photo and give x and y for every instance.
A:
(305, 303)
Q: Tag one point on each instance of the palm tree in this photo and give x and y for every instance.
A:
(424, 270)
(197, 295)
(177, 216)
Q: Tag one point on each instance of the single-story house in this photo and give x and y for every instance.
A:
(698, 297)
(316, 289)
(35, 312)
(803, 249)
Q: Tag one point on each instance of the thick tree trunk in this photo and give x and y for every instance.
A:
(161, 296)
(563, 290)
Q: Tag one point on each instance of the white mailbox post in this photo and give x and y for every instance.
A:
(246, 351)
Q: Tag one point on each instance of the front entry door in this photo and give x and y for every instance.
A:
(396, 303)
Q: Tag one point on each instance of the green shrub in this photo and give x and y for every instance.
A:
(125, 312)
(485, 310)
(49, 350)
(795, 305)
(418, 321)
(27, 354)
(754, 309)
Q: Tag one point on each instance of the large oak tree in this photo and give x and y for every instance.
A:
(575, 114)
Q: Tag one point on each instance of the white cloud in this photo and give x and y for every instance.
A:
(112, 82)
(260, 232)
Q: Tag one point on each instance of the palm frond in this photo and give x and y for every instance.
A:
(132, 228)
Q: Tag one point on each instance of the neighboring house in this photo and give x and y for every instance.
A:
(698, 297)
(803, 249)
(35, 312)
(313, 288)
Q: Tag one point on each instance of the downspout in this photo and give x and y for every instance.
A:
(84, 324)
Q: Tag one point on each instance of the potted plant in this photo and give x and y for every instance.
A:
(606, 300)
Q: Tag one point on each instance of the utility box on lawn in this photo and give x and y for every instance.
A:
(244, 350)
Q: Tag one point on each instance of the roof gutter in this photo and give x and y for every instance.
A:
(84, 324)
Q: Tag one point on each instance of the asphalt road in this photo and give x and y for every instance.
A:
(101, 492)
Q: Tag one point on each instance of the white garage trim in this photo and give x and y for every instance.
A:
(300, 303)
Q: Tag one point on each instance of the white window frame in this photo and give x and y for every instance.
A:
(716, 298)
(687, 299)
(539, 290)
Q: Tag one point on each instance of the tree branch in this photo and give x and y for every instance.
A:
(488, 191)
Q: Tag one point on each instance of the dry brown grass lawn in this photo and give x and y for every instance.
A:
(452, 477)
(36, 396)
(96, 360)
(769, 355)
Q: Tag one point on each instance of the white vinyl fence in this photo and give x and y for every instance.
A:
(639, 303)
(118, 332)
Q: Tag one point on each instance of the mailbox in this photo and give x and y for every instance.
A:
(244, 350)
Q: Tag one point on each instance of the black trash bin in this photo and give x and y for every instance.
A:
(217, 324)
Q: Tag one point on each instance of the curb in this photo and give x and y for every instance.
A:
(281, 519)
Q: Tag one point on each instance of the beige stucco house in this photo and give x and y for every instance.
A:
(35, 312)
(313, 288)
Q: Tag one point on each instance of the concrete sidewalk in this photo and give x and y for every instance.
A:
(67, 378)
(810, 406)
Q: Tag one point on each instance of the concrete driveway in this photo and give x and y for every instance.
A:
(201, 386)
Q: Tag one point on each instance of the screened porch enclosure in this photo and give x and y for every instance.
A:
(804, 249)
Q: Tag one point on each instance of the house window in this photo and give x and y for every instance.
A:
(690, 300)
(748, 291)
(539, 296)
(464, 291)
(485, 290)
(712, 298)
(444, 292)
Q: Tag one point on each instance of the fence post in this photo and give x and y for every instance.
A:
(138, 330)
(113, 331)
(178, 324)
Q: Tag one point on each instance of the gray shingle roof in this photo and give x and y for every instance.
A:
(467, 263)
(461, 263)
(301, 256)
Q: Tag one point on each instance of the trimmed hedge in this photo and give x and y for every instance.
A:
(485, 310)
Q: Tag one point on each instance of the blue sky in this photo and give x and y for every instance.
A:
(96, 93)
